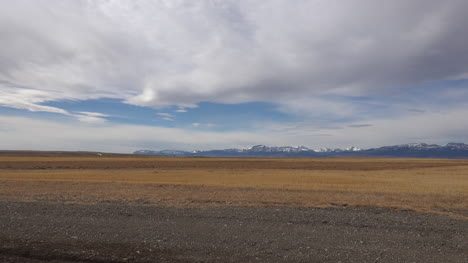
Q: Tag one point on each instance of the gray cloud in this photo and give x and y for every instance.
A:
(322, 135)
(359, 125)
(417, 110)
(160, 53)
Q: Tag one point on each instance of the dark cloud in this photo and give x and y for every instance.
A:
(359, 125)
(417, 110)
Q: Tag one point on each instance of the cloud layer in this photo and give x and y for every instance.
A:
(161, 53)
(360, 71)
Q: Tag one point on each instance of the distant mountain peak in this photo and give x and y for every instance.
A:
(353, 149)
(256, 150)
(323, 150)
(416, 150)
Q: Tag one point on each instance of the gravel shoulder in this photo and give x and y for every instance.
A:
(122, 232)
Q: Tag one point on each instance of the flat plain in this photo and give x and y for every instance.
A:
(168, 209)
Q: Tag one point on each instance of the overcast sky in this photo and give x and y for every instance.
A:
(126, 75)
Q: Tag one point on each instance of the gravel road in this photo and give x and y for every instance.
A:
(122, 232)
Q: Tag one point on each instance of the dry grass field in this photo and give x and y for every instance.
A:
(87, 208)
(428, 185)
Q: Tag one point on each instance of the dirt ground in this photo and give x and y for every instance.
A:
(122, 232)
(153, 209)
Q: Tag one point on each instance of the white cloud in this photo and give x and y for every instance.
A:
(164, 114)
(91, 117)
(31, 99)
(93, 114)
(28, 99)
(26, 133)
(161, 53)
(207, 125)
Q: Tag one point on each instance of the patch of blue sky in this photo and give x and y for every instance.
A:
(207, 115)
(234, 116)
(433, 96)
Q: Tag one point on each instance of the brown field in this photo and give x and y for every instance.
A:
(80, 207)
(429, 185)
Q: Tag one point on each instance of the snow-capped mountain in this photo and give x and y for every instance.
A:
(287, 149)
(353, 149)
(426, 147)
(323, 150)
(457, 146)
(411, 150)
(421, 150)
(415, 146)
(254, 151)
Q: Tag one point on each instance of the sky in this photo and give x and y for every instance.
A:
(119, 76)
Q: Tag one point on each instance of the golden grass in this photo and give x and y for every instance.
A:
(358, 164)
(447, 181)
(426, 185)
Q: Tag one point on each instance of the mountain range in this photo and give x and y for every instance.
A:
(411, 150)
